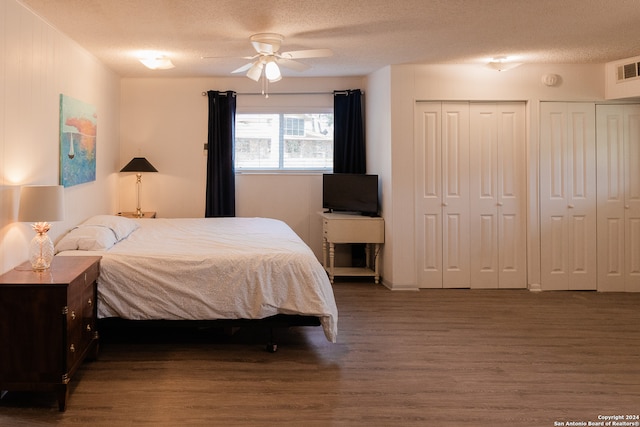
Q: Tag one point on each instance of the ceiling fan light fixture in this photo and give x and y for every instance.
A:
(272, 71)
(266, 63)
(255, 71)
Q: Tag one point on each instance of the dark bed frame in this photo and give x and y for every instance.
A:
(279, 321)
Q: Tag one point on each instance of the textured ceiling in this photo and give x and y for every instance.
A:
(365, 35)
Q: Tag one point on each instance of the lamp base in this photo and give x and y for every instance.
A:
(41, 252)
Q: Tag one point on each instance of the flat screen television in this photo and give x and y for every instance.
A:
(349, 192)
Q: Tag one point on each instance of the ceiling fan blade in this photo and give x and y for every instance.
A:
(244, 68)
(309, 53)
(294, 65)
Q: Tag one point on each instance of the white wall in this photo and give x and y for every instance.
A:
(165, 120)
(379, 133)
(37, 64)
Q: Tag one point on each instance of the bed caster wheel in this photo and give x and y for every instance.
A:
(272, 347)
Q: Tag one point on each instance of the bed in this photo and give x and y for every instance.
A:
(204, 269)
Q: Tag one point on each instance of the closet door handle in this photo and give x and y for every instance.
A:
(627, 206)
(499, 203)
(445, 204)
(570, 206)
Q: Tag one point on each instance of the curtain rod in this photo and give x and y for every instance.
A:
(284, 93)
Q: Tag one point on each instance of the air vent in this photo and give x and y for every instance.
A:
(622, 78)
(628, 71)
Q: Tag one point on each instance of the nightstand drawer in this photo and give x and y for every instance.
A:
(356, 230)
(80, 322)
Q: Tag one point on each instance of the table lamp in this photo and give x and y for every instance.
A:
(40, 204)
(138, 165)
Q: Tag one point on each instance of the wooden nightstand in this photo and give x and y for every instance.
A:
(133, 214)
(47, 324)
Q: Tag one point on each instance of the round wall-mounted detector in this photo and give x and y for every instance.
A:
(550, 79)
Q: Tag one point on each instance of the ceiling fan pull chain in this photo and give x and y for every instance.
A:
(265, 86)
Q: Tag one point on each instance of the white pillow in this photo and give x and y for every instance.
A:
(87, 238)
(120, 225)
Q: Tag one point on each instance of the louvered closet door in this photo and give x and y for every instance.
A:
(618, 142)
(567, 196)
(442, 194)
(497, 196)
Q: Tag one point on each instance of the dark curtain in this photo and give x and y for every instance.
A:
(348, 135)
(221, 188)
(349, 155)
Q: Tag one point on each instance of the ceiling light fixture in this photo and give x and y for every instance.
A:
(503, 63)
(155, 61)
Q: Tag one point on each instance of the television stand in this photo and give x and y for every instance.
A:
(340, 228)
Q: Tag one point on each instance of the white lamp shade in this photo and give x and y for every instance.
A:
(41, 203)
(272, 71)
(255, 71)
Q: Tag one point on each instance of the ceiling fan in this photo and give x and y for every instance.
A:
(268, 58)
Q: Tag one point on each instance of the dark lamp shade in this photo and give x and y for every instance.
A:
(139, 164)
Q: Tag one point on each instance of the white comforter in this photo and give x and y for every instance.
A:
(214, 268)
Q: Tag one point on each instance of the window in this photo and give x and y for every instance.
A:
(294, 126)
(284, 141)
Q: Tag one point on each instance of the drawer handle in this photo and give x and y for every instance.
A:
(88, 328)
(72, 348)
(89, 301)
(73, 315)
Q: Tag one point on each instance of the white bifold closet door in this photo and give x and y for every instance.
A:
(567, 196)
(498, 196)
(470, 194)
(442, 200)
(618, 145)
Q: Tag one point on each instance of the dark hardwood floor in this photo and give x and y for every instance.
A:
(428, 358)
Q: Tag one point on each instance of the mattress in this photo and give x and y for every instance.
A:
(208, 269)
